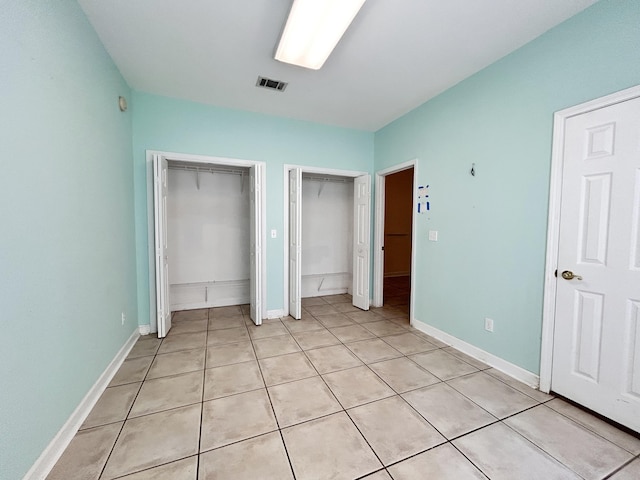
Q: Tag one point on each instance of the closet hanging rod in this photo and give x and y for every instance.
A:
(208, 169)
(326, 179)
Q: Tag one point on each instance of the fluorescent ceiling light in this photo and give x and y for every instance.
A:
(313, 29)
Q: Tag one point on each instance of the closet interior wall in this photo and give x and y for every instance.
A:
(208, 235)
(398, 218)
(327, 235)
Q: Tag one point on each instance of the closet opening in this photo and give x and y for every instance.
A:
(208, 230)
(328, 233)
(394, 260)
(208, 216)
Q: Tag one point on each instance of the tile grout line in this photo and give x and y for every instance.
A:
(204, 369)
(621, 467)
(447, 440)
(279, 430)
(580, 427)
(343, 410)
(384, 468)
(413, 409)
(468, 459)
(587, 428)
(124, 422)
(538, 404)
(399, 395)
(538, 447)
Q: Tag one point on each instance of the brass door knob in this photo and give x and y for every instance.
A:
(569, 275)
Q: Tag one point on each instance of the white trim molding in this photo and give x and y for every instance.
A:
(48, 458)
(204, 159)
(276, 313)
(514, 371)
(553, 223)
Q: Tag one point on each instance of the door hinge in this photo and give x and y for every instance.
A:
(383, 248)
(556, 273)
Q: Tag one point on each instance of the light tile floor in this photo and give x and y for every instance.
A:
(341, 394)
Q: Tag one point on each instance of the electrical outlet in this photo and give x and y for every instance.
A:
(124, 318)
(488, 324)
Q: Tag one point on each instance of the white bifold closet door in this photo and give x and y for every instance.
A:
(255, 242)
(295, 241)
(361, 242)
(163, 310)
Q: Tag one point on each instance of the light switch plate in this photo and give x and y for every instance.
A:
(488, 324)
(274, 233)
(433, 235)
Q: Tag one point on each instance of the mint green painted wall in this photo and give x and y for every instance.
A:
(489, 260)
(166, 124)
(67, 246)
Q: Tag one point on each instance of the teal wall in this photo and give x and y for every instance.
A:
(166, 124)
(489, 260)
(67, 245)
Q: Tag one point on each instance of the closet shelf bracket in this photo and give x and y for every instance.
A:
(198, 178)
(320, 189)
(242, 182)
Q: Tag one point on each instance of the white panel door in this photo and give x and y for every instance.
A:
(596, 349)
(361, 240)
(255, 243)
(295, 243)
(163, 311)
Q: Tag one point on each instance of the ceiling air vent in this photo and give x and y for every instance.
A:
(271, 84)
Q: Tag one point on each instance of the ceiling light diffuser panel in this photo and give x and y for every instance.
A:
(313, 29)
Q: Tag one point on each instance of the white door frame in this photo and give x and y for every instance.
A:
(304, 169)
(378, 242)
(553, 224)
(205, 159)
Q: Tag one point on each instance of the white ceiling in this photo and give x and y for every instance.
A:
(396, 55)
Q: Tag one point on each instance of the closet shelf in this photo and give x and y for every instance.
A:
(323, 181)
(212, 170)
(208, 294)
(204, 284)
(326, 276)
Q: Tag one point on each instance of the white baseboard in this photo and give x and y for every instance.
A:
(48, 458)
(520, 374)
(275, 313)
(226, 302)
(144, 330)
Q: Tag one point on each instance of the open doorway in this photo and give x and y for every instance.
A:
(398, 226)
(328, 247)
(208, 235)
(394, 238)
